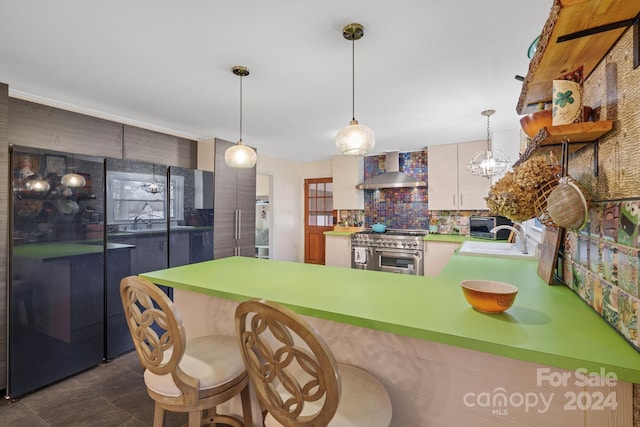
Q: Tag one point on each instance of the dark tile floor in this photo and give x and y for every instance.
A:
(109, 395)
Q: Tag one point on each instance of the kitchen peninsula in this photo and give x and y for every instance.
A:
(443, 362)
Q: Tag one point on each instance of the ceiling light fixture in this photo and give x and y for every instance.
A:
(240, 155)
(354, 139)
(490, 162)
(72, 179)
(38, 185)
(154, 186)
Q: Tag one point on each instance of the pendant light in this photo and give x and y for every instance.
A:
(354, 139)
(38, 185)
(490, 162)
(154, 186)
(72, 179)
(240, 155)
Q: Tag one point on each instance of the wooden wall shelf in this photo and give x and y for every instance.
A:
(554, 58)
(577, 136)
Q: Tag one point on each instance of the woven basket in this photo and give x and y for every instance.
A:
(567, 204)
(541, 202)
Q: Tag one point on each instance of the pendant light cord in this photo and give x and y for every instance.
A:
(353, 78)
(488, 135)
(240, 108)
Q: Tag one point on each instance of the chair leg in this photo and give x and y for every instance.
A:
(158, 416)
(195, 419)
(245, 396)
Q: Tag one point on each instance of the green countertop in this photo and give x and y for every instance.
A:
(55, 250)
(547, 324)
(338, 233)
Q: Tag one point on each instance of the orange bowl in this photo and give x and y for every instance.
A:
(532, 123)
(489, 296)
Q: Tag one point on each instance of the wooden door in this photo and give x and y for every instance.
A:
(318, 217)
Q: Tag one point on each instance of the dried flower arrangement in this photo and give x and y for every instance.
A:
(517, 195)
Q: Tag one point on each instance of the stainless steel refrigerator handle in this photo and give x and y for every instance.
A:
(239, 223)
(235, 224)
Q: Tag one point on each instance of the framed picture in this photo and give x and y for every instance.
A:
(55, 165)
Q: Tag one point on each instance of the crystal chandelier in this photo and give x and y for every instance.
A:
(490, 162)
(154, 186)
(354, 139)
(240, 155)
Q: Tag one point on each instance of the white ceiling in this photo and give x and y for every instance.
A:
(423, 71)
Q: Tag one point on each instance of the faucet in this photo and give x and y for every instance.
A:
(521, 235)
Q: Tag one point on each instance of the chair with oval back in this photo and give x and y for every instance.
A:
(182, 375)
(296, 377)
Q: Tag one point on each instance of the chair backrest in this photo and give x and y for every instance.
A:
(156, 329)
(295, 375)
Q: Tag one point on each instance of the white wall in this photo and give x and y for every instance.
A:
(507, 141)
(285, 203)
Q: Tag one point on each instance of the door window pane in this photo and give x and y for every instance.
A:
(312, 190)
(312, 219)
(312, 205)
(320, 205)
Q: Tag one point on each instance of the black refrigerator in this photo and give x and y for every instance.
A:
(136, 219)
(56, 283)
(191, 216)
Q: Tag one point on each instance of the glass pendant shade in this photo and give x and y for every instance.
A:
(38, 184)
(240, 156)
(489, 163)
(354, 139)
(73, 180)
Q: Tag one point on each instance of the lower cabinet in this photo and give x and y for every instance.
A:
(437, 255)
(337, 251)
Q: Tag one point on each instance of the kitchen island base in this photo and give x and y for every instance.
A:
(435, 384)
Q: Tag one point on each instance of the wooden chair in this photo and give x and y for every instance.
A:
(296, 377)
(182, 375)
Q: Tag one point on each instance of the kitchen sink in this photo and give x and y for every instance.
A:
(495, 249)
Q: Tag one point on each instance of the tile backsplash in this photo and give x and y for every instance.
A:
(602, 263)
(408, 208)
(402, 208)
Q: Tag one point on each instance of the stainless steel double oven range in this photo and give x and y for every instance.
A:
(395, 251)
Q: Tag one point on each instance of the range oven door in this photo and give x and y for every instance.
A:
(399, 261)
(362, 258)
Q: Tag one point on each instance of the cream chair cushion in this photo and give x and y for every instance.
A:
(364, 401)
(202, 359)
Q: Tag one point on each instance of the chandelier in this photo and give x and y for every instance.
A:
(354, 139)
(490, 162)
(240, 155)
(154, 186)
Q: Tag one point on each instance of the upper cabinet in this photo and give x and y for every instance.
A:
(577, 32)
(451, 186)
(347, 173)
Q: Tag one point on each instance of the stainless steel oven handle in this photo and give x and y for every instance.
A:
(399, 251)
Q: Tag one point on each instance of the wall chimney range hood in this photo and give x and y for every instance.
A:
(392, 177)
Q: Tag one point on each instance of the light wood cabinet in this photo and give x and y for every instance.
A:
(337, 251)
(437, 255)
(347, 173)
(451, 186)
(234, 209)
